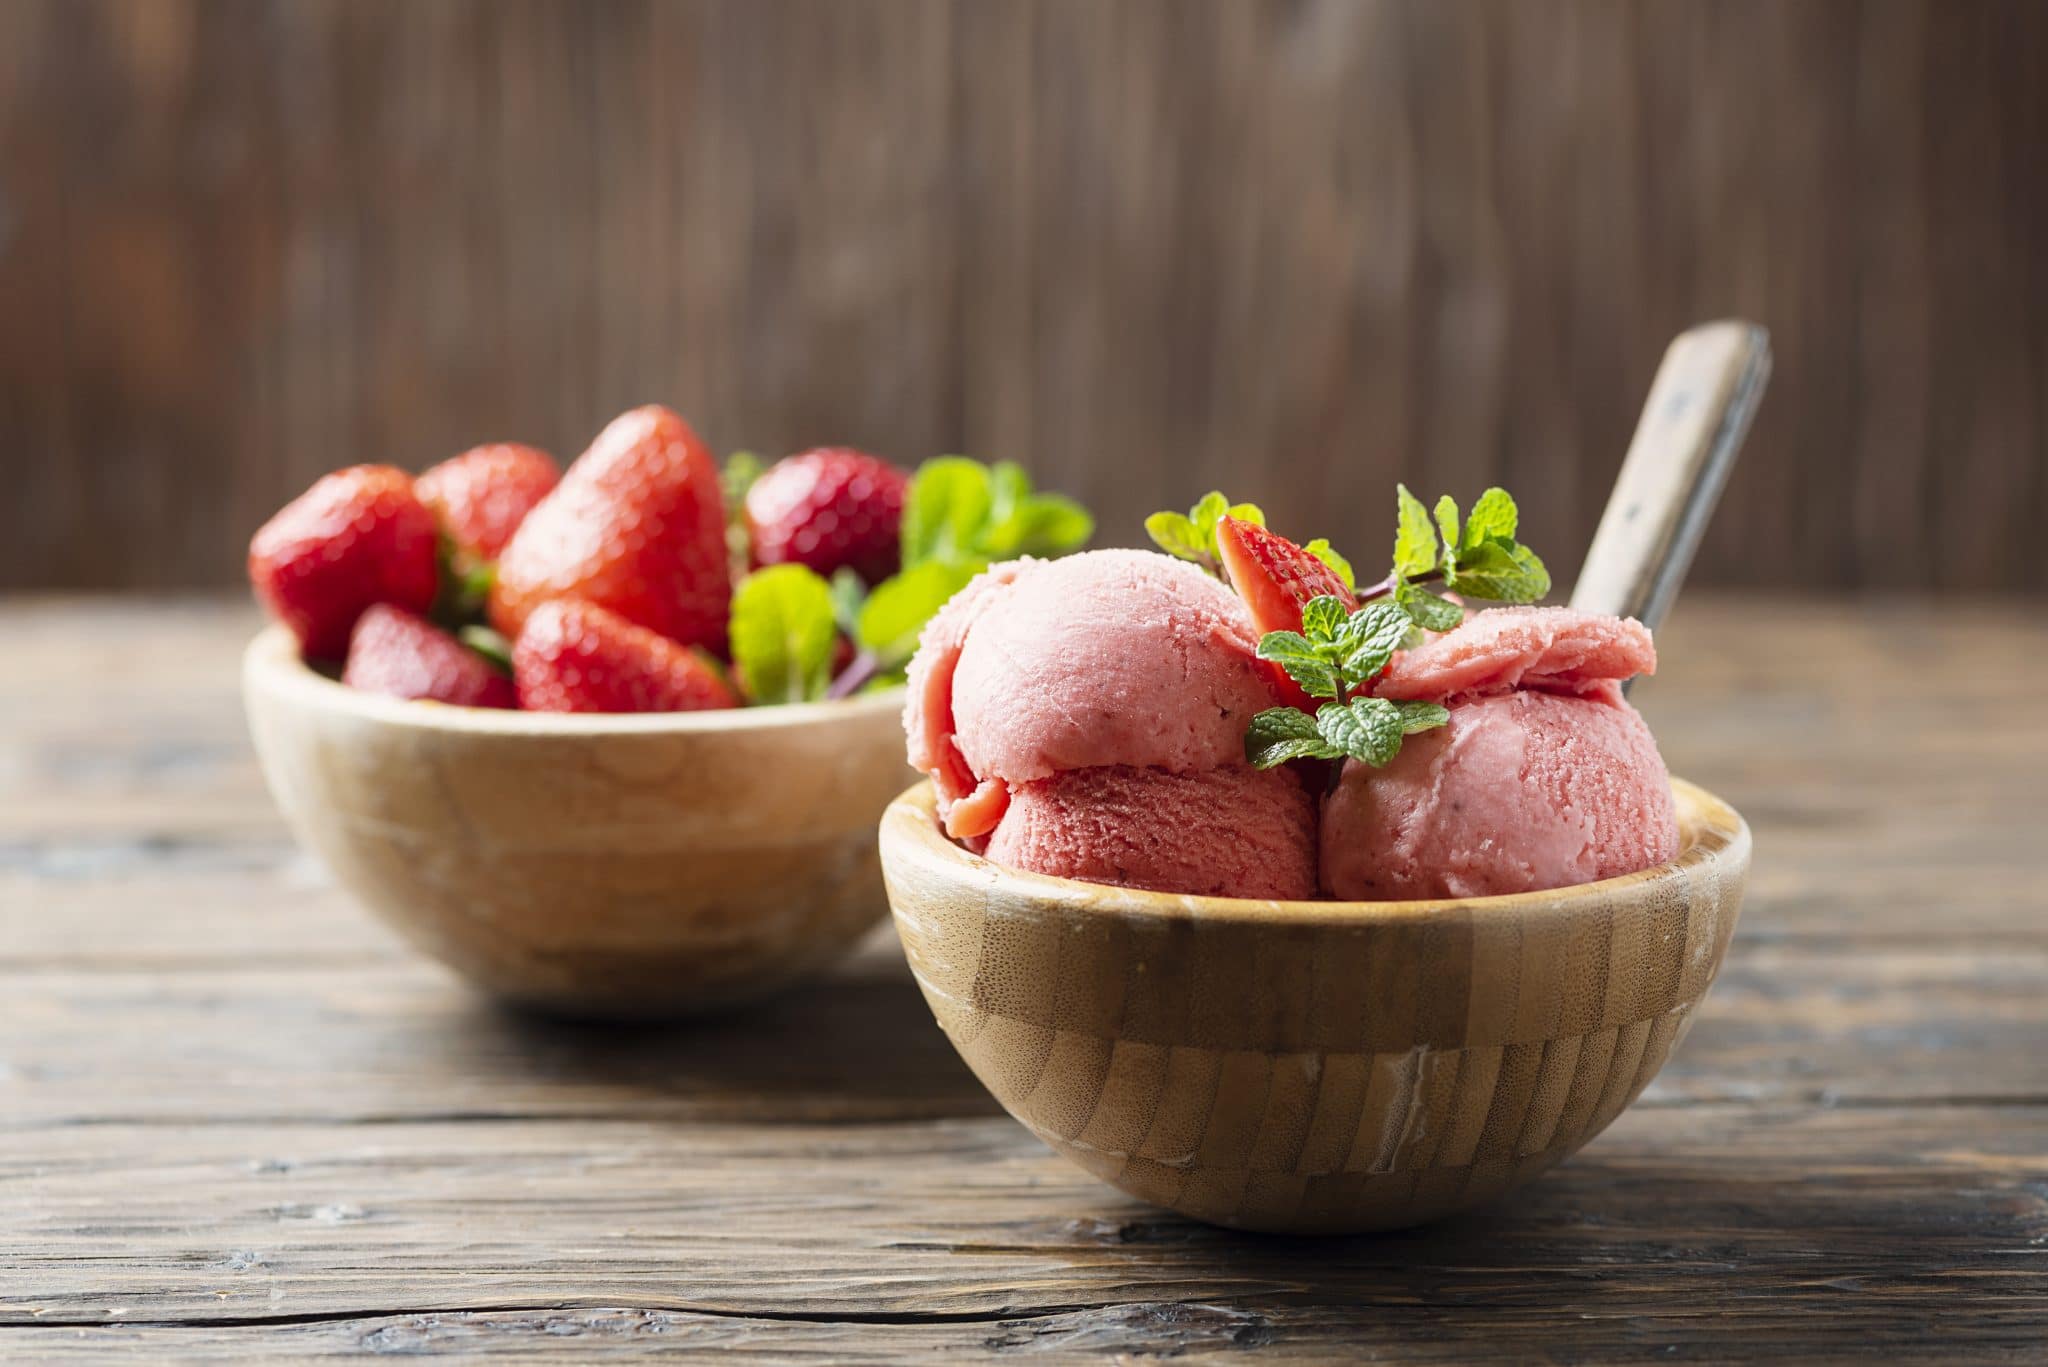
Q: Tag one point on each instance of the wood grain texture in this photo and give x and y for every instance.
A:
(1313, 1068)
(239, 1120)
(604, 867)
(1298, 248)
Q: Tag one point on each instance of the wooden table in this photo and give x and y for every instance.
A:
(239, 1119)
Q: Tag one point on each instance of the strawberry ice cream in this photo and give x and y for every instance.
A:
(1111, 657)
(1227, 832)
(1543, 777)
(1087, 716)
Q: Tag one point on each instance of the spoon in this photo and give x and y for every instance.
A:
(1693, 423)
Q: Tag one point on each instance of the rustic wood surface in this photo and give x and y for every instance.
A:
(243, 242)
(239, 1120)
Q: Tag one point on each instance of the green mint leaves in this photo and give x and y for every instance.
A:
(1335, 651)
(783, 626)
(1369, 730)
(960, 510)
(958, 516)
(1475, 557)
(1333, 654)
(1192, 535)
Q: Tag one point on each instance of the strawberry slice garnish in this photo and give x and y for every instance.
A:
(1275, 577)
(401, 655)
(578, 657)
(357, 538)
(637, 526)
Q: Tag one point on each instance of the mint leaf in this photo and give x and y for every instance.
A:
(1366, 729)
(1447, 520)
(894, 615)
(1426, 610)
(1369, 639)
(1209, 510)
(1322, 619)
(782, 632)
(1280, 734)
(1192, 535)
(1499, 572)
(1304, 664)
(488, 644)
(1175, 534)
(1493, 516)
(946, 510)
(1415, 550)
(1421, 716)
(1046, 524)
(1320, 549)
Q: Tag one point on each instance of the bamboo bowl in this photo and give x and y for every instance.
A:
(1313, 1067)
(600, 866)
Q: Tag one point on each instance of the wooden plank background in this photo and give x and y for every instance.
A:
(1296, 248)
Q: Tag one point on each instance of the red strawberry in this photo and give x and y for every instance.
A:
(359, 536)
(1275, 577)
(637, 526)
(402, 656)
(482, 495)
(829, 509)
(577, 657)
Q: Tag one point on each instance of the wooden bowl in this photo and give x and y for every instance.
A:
(1313, 1067)
(609, 866)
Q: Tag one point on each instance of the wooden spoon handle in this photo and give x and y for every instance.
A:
(1693, 423)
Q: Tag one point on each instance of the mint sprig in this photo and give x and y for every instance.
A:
(1369, 730)
(1335, 654)
(1192, 535)
(1475, 556)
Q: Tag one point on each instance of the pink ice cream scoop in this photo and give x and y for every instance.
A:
(1226, 832)
(1544, 776)
(1107, 658)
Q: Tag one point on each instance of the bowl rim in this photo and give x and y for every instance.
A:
(1719, 847)
(271, 664)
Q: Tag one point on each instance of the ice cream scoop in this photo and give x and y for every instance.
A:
(1519, 792)
(1107, 658)
(1227, 832)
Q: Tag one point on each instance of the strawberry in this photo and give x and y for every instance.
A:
(830, 509)
(636, 526)
(482, 495)
(578, 657)
(400, 655)
(358, 537)
(1275, 577)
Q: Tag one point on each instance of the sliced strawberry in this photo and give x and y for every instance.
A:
(1275, 577)
(400, 655)
(358, 537)
(578, 657)
(482, 495)
(637, 526)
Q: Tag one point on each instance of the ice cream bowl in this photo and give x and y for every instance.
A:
(1313, 1067)
(599, 866)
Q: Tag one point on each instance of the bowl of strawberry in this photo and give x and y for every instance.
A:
(612, 740)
